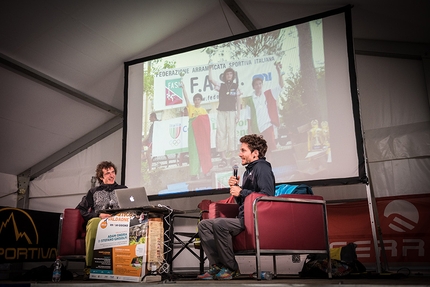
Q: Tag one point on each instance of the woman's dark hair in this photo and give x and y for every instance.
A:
(255, 142)
(101, 166)
(153, 114)
(227, 71)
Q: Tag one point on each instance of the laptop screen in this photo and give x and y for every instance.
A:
(132, 197)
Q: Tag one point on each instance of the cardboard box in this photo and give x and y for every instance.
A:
(120, 250)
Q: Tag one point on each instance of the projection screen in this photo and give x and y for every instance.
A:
(293, 83)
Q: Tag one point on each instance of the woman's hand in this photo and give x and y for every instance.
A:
(104, 215)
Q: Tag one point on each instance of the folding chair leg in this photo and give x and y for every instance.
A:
(275, 272)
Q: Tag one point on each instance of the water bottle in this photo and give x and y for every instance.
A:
(56, 273)
(265, 275)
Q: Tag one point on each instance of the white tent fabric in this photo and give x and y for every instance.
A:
(396, 121)
(64, 185)
(8, 196)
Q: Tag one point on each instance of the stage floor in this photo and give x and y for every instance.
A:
(389, 279)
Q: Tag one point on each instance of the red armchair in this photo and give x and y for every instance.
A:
(286, 224)
(71, 245)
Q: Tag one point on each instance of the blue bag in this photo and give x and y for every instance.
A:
(292, 189)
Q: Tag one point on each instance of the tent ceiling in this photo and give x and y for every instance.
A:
(83, 45)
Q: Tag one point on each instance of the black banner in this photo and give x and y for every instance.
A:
(28, 235)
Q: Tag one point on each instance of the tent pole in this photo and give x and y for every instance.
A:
(373, 212)
(376, 231)
(22, 200)
(374, 221)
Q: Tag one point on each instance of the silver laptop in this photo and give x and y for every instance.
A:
(132, 197)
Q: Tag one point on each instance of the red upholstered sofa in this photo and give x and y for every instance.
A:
(286, 224)
(71, 245)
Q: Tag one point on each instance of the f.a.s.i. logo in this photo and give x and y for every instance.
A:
(173, 94)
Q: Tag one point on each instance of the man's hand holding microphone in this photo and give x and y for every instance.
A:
(234, 182)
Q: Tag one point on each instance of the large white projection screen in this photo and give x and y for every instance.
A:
(293, 83)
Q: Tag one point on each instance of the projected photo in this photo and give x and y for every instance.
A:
(197, 104)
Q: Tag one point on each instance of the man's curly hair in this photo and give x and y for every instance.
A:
(255, 142)
(101, 166)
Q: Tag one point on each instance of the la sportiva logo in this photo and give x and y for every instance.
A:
(19, 237)
(403, 215)
(17, 226)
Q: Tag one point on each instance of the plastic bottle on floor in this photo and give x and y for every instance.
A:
(265, 275)
(56, 273)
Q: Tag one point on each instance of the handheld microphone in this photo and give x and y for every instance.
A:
(235, 168)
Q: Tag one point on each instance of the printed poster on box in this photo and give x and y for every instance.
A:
(120, 248)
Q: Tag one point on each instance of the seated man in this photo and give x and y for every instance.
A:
(217, 234)
(97, 199)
